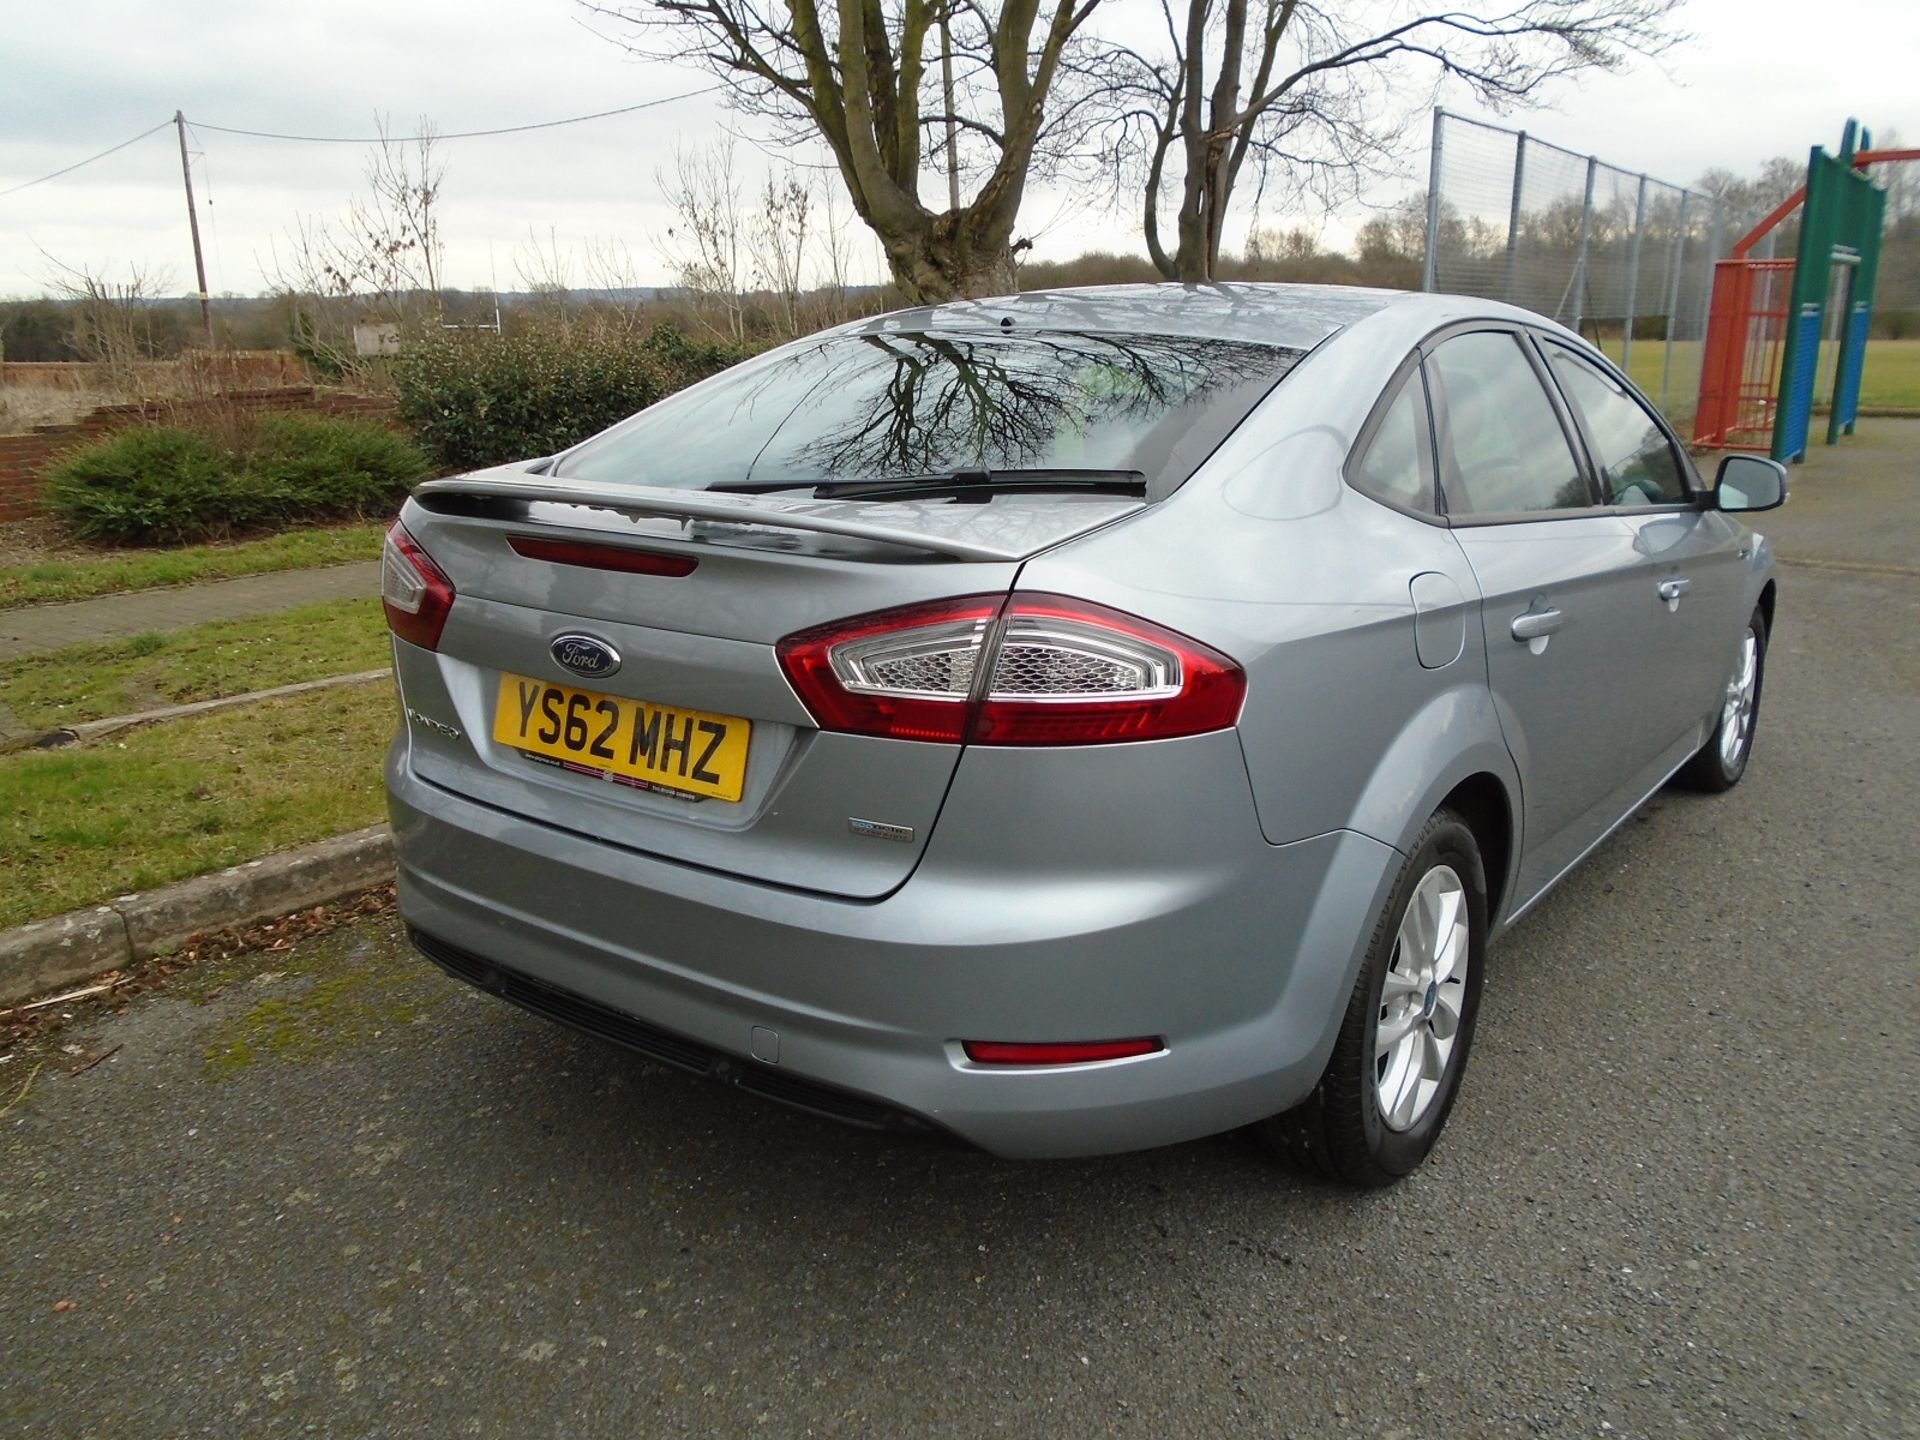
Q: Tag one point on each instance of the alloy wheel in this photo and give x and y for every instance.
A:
(1736, 717)
(1421, 999)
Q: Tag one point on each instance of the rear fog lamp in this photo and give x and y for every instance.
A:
(1058, 1052)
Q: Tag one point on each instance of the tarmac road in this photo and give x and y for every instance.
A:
(343, 1196)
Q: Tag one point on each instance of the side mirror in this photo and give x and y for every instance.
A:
(1747, 483)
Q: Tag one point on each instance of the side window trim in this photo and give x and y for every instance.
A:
(1575, 441)
(1409, 371)
(1689, 476)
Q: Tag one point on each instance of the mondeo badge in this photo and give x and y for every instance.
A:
(585, 655)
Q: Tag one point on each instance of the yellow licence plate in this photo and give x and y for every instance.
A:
(656, 747)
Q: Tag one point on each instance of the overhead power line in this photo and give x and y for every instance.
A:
(69, 169)
(453, 135)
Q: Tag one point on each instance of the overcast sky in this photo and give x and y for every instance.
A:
(1760, 78)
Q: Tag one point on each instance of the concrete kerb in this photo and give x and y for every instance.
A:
(48, 954)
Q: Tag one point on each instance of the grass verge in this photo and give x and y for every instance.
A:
(203, 662)
(1889, 379)
(47, 581)
(83, 824)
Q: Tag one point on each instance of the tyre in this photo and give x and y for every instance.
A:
(1403, 1041)
(1723, 759)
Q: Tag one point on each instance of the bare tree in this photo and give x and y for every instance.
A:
(854, 75)
(547, 274)
(112, 319)
(382, 257)
(777, 240)
(1302, 94)
(836, 262)
(705, 247)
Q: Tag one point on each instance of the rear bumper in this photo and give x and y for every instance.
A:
(1241, 956)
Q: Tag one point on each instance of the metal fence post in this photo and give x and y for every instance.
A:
(1633, 272)
(1715, 235)
(1513, 211)
(1674, 262)
(1580, 256)
(1430, 272)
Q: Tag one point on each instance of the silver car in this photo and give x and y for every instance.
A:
(1071, 722)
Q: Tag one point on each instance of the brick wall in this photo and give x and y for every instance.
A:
(25, 459)
(192, 367)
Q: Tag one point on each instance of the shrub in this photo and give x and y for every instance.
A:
(157, 485)
(473, 400)
(334, 469)
(172, 485)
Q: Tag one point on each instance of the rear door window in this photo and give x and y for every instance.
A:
(1396, 465)
(1502, 448)
(1636, 461)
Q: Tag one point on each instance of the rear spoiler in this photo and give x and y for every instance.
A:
(825, 517)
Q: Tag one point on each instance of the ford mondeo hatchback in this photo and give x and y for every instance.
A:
(1073, 722)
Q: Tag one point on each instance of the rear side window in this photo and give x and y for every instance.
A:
(1502, 448)
(1637, 464)
(1397, 464)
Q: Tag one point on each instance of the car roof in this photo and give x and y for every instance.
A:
(1293, 316)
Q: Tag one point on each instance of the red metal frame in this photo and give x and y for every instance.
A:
(1739, 371)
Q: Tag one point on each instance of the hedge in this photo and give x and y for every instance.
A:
(474, 400)
(173, 485)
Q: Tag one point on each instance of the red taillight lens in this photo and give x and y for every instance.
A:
(1031, 670)
(1058, 1052)
(414, 591)
(905, 673)
(601, 557)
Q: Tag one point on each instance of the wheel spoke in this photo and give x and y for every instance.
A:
(1415, 939)
(1398, 985)
(1405, 1104)
(1393, 1032)
(1446, 1009)
(1433, 1057)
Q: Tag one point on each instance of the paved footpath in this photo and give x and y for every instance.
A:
(39, 628)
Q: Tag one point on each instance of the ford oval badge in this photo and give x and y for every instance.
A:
(584, 655)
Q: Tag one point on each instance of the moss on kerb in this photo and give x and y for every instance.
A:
(331, 994)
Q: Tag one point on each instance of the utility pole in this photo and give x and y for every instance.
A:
(946, 80)
(193, 223)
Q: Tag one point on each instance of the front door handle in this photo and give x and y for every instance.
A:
(1671, 591)
(1536, 624)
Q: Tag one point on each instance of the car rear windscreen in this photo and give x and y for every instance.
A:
(883, 405)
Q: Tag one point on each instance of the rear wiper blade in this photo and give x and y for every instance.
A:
(965, 484)
(978, 486)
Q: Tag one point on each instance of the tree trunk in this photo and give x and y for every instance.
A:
(946, 260)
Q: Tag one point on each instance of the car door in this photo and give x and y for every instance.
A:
(1564, 658)
(1689, 562)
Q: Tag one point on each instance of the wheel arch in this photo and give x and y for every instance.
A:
(1482, 801)
(1766, 604)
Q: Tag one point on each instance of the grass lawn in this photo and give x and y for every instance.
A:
(1891, 378)
(78, 577)
(83, 824)
(226, 657)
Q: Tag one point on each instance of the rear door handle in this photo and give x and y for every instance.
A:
(1536, 624)
(1674, 589)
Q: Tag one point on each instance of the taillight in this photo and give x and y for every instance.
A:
(414, 591)
(1030, 670)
